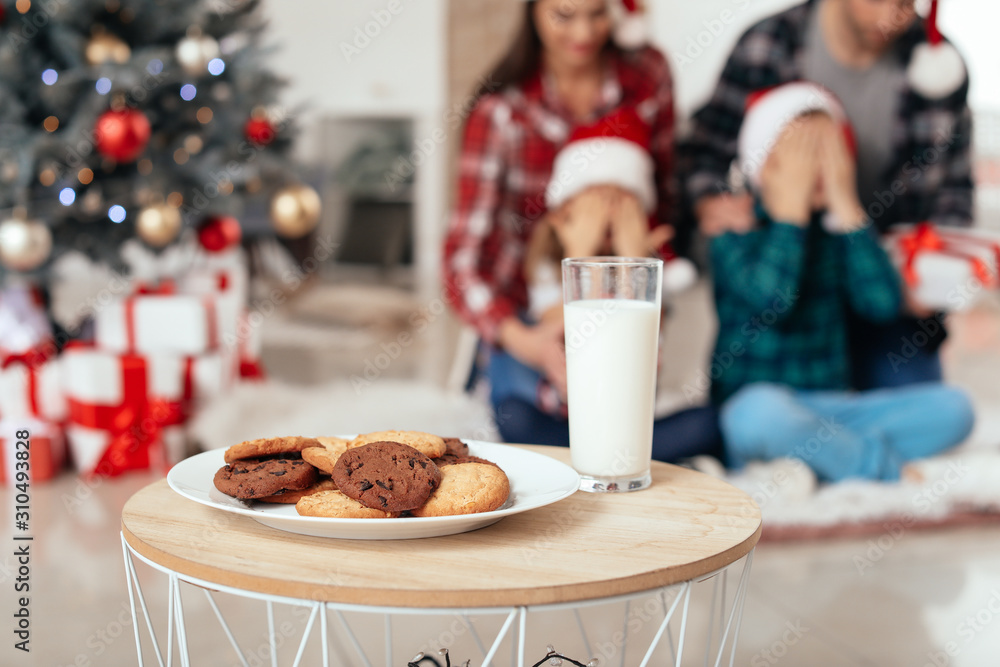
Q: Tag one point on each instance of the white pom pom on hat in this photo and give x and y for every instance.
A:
(936, 69)
(632, 27)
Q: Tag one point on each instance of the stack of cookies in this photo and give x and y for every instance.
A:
(386, 474)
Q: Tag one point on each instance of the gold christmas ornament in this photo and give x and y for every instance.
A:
(24, 244)
(158, 224)
(107, 48)
(195, 51)
(295, 211)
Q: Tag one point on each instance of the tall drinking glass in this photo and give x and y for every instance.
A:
(611, 307)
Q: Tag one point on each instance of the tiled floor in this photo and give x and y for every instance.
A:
(894, 599)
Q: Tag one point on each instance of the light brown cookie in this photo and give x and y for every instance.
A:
(430, 445)
(325, 456)
(335, 505)
(292, 497)
(265, 447)
(467, 488)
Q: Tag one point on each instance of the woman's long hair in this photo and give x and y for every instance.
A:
(524, 57)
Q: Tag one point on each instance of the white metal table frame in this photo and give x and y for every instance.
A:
(729, 623)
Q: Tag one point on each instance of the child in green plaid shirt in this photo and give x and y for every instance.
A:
(783, 292)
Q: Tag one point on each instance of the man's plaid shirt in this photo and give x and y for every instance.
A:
(930, 175)
(511, 139)
(782, 294)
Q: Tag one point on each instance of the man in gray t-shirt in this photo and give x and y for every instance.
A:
(914, 146)
(869, 98)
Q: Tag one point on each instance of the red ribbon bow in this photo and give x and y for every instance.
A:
(925, 238)
(32, 359)
(135, 425)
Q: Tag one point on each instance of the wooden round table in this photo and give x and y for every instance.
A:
(683, 528)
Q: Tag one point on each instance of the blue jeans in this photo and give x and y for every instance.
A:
(684, 434)
(842, 434)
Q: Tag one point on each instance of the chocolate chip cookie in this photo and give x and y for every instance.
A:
(248, 479)
(292, 497)
(450, 460)
(386, 476)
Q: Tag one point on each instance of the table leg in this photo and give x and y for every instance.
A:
(323, 634)
(133, 578)
(131, 600)
(225, 627)
(306, 633)
(273, 647)
(182, 646)
(388, 639)
(353, 638)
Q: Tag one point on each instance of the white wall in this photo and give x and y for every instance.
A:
(359, 58)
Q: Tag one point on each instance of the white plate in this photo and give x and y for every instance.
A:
(535, 481)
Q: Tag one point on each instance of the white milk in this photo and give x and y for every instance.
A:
(611, 350)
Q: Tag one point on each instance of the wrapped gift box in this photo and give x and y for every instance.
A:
(225, 277)
(46, 452)
(945, 269)
(126, 411)
(182, 324)
(31, 389)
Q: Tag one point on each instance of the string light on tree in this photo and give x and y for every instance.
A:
(295, 211)
(24, 244)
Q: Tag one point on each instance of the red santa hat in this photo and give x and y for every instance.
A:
(770, 111)
(936, 69)
(612, 151)
(615, 151)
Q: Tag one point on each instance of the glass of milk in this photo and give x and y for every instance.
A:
(611, 308)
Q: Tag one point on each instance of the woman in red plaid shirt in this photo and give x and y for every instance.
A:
(562, 70)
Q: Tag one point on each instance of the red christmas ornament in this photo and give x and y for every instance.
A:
(3, 13)
(219, 233)
(259, 131)
(122, 134)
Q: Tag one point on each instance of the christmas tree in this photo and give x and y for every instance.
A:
(137, 118)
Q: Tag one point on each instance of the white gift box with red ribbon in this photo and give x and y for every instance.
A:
(45, 447)
(160, 322)
(31, 389)
(225, 277)
(126, 411)
(945, 268)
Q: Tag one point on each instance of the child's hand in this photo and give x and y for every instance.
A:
(629, 226)
(839, 179)
(582, 223)
(630, 232)
(788, 178)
